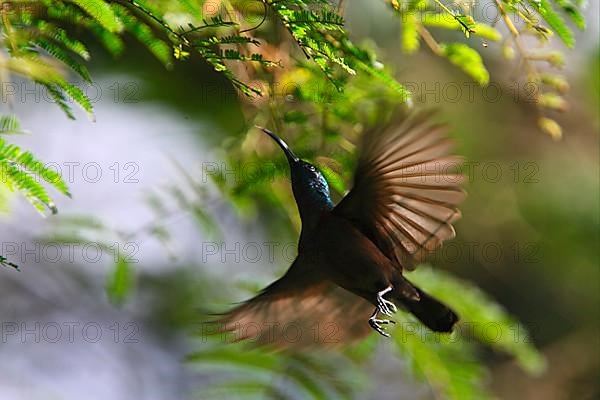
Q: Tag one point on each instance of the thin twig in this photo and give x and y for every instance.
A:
(261, 21)
(197, 28)
(430, 41)
(531, 70)
(158, 20)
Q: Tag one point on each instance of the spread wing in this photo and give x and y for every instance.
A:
(299, 311)
(406, 189)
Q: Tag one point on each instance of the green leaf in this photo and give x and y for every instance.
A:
(112, 42)
(28, 161)
(120, 281)
(467, 59)
(74, 15)
(33, 67)
(410, 33)
(466, 22)
(60, 36)
(231, 39)
(234, 55)
(16, 178)
(143, 33)
(573, 12)
(556, 22)
(10, 125)
(365, 62)
(21, 171)
(479, 29)
(78, 96)
(320, 34)
(59, 98)
(37, 69)
(323, 19)
(102, 12)
(60, 54)
(215, 22)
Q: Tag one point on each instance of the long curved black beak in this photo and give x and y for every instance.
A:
(286, 149)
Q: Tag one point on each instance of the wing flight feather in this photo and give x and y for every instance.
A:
(407, 187)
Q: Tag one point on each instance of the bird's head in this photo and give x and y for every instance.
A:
(311, 190)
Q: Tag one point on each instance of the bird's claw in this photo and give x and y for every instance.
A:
(386, 307)
(376, 325)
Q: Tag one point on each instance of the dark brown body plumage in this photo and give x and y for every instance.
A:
(352, 260)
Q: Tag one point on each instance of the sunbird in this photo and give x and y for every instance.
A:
(351, 256)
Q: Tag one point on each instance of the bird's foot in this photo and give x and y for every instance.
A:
(376, 325)
(385, 306)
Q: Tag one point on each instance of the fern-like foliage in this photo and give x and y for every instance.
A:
(319, 31)
(314, 25)
(39, 45)
(33, 45)
(21, 170)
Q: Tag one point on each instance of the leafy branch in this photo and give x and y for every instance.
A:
(418, 16)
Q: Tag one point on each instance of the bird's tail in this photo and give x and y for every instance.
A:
(433, 313)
